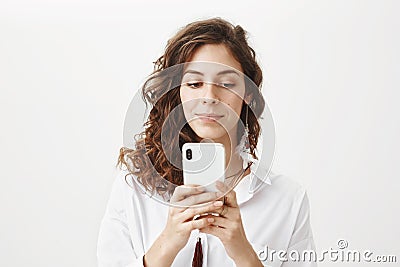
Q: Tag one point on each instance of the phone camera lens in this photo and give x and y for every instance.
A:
(189, 154)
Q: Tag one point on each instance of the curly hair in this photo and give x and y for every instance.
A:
(148, 161)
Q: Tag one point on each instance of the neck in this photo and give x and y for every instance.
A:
(233, 161)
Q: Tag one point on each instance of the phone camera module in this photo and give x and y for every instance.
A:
(189, 154)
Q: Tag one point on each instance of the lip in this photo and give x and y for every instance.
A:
(209, 116)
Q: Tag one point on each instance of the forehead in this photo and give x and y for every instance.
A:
(209, 70)
(216, 53)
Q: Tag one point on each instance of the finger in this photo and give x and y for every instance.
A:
(213, 230)
(230, 197)
(195, 209)
(222, 222)
(189, 213)
(182, 191)
(197, 224)
(199, 199)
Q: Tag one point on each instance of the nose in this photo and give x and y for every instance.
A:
(210, 93)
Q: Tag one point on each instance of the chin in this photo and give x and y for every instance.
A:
(213, 131)
(210, 134)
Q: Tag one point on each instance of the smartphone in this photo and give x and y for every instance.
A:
(203, 164)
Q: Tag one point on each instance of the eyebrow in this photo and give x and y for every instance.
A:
(219, 73)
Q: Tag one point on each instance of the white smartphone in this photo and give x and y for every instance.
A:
(203, 164)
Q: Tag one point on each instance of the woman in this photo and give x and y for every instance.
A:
(244, 226)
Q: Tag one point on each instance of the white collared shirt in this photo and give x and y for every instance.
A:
(276, 217)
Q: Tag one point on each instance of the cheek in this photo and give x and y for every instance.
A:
(186, 95)
(187, 105)
(181, 95)
(235, 105)
(184, 100)
(189, 99)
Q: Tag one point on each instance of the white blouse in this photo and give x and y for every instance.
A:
(276, 217)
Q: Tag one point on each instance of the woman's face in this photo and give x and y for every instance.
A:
(212, 93)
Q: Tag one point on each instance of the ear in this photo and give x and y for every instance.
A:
(248, 98)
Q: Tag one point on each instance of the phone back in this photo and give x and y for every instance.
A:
(203, 164)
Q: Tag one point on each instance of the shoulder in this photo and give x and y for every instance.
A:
(133, 192)
(284, 189)
(286, 184)
(125, 185)
(123, 181)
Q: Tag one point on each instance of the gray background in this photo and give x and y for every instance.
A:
(68, 70)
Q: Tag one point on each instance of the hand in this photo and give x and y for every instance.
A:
(229, 229)
(180, 219)
(180, 223)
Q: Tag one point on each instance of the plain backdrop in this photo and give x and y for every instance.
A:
(69, 69)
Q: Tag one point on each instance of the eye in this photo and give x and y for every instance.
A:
(227, 85)
(194, 85)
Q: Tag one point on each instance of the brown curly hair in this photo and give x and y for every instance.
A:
(149, 160)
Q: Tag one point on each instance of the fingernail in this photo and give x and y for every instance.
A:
(210, 219)
(218, 203)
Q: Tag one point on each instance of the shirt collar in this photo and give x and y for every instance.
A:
(250, 184)
(260, 171)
